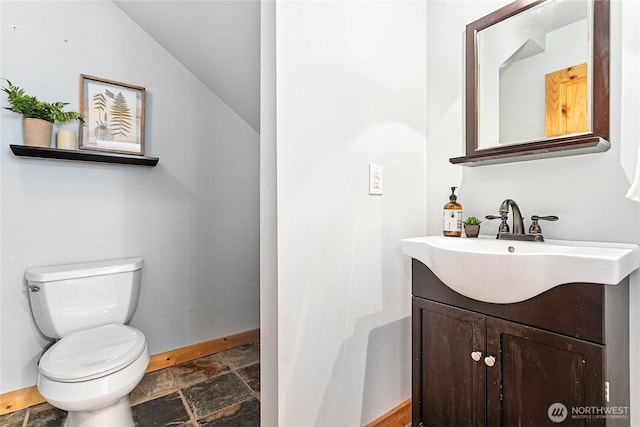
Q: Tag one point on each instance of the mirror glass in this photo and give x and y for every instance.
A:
(537, 74)
(516, 56)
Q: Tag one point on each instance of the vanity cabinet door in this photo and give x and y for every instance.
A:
(448, 384)
(534, 369)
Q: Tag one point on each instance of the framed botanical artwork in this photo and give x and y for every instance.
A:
(113, 115)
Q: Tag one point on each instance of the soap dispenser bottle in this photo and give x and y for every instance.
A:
(452, 216)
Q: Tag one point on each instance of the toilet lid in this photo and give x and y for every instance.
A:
(92, 353)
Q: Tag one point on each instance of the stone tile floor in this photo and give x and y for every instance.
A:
(218, 390)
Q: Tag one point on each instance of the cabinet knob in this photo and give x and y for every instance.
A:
(489, 361)
(476, 355)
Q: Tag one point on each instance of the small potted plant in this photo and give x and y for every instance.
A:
(472, 226)
(38, 116)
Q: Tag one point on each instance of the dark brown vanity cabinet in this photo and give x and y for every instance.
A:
(480, 364)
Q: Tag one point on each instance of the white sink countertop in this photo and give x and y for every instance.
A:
(507, 271)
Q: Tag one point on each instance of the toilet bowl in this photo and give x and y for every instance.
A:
(98, 359)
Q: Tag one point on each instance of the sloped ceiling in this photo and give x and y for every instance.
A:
(217, 40)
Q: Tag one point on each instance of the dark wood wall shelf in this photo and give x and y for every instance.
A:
(83, 156)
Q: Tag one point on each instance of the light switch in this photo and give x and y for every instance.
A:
(375, 179)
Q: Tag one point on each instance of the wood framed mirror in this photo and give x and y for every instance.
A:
(537, 81)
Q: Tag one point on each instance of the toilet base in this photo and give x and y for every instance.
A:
(119, 414)
(101, 402)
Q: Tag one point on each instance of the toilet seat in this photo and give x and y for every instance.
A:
(92, 353)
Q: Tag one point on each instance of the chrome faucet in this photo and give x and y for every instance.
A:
(535, 232)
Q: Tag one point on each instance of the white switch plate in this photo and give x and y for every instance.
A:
(375, 179)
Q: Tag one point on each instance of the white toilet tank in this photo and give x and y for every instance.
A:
(68, 298)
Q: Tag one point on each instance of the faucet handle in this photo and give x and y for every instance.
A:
(544, 218)
(535, 227)
(504, 227)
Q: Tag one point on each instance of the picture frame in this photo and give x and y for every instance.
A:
(113, 115)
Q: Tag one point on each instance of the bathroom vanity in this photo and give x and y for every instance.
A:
(478, 363)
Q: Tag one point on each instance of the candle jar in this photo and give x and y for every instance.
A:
(66, 139)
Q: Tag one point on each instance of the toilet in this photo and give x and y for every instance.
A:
(98, 360)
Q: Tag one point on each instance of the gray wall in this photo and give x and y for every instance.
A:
(587, 192)
(345, 83)
(268, 219)
(194, 217)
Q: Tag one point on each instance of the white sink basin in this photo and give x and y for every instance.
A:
(505, 271)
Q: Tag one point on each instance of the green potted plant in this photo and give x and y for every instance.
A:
(38, 116)
(472, 226)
